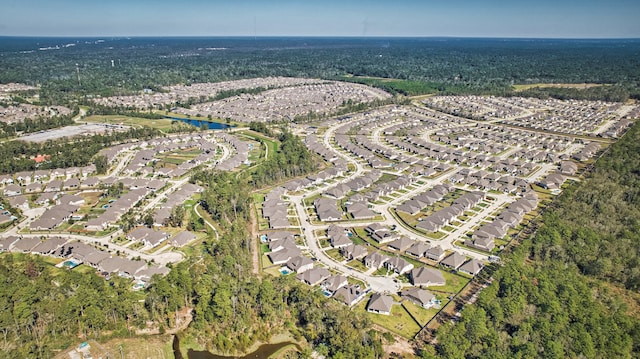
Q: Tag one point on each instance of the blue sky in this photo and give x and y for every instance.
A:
(466, 18)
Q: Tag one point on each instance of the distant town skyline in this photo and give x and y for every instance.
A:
(410, 18)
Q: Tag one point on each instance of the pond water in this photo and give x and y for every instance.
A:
(209, 125)
(264, 351)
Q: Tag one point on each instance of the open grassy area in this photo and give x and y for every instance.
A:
(454, 282)
(405, 87)
(357, 265)
(162, 124)
(422, 315)
(399, 321)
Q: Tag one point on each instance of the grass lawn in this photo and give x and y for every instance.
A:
(335, 254)
(139, 347)
(357, 265)
(454, 282)
(162, 124)
(422, 315)
(432, 235)
(399, 321)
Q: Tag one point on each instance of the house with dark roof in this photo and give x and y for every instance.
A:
(327, 210)
(183, 238)
(481, 240)
(360, 210)
(435, 253)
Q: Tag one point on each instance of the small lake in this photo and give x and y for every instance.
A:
(264, 351)
(209, 125)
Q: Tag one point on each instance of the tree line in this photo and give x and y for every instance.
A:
(454, 66)
(15, 156)
(568, 291)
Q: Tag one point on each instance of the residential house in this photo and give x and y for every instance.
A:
(375, 260)
(12, 190)
(26, 244)
(425, 276)
(314, 276)
(401, 244)
(349, 294)
(183, 238)
(435, 253)
(421, 297)
(334, 282)
(398, 265)
(471, 267)
(327, 209)
(354, 251)
(280, 244)
(418, 249)
(284, 255)
(360, 210)
(380, 304)
(454, 260)
(481, 240)
(300, 264)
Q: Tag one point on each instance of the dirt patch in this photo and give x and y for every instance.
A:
(400, 346)
(182, 317)
(519, 88)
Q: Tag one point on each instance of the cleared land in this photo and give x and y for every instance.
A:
(518, 88)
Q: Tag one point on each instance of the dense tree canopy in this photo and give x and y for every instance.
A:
(450, 66)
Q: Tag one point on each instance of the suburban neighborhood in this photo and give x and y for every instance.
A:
(411, 202)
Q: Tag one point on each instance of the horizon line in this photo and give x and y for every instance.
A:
(316, 37)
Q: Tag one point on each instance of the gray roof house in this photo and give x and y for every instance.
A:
(471, 267)
(419, 296)
(314, 276)
(349, 294)
(425, 276)
(380, 304)
(454, 260)
(300, 264)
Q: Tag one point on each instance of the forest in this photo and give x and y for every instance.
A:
(449, 66)
(15, 156)
(571, 290)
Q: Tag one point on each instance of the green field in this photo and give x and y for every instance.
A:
(398, 322)
(162, 125)
(422, 315)
(395, 86)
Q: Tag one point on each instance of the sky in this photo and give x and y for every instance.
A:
(411, 18)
